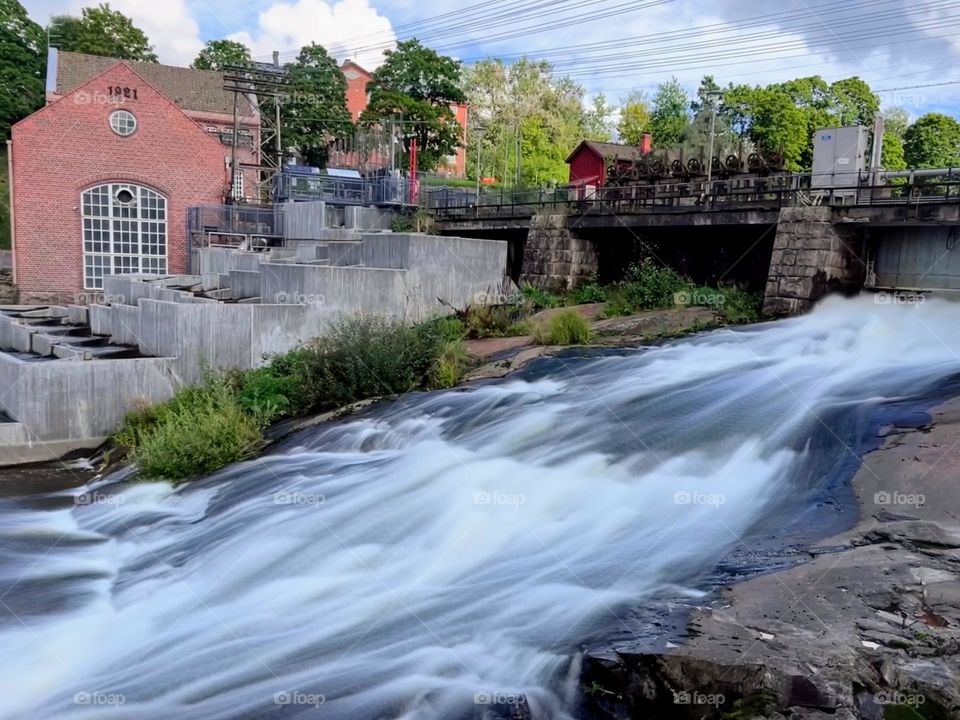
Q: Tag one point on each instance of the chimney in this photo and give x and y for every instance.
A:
(646, 144)
(276, 58)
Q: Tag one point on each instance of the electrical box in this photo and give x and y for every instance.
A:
(839, 156)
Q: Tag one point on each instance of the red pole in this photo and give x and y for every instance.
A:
(414, 190)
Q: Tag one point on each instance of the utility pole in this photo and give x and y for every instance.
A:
(479, 137)
(713, 126)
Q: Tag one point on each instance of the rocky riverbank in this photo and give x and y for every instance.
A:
(868, 629)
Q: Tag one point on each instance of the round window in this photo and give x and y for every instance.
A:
(123, 122)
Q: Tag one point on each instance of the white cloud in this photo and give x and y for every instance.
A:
(348, 29)
(172, 30)
(168, 24)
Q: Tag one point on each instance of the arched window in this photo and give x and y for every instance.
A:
(124, 231)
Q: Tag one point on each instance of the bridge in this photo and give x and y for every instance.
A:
(780, 233)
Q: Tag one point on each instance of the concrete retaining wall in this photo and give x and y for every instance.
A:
(66, 400)
(554, 258)
(811, 257)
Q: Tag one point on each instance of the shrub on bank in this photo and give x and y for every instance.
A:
(199, 430)
(204, 428)
(567, 327)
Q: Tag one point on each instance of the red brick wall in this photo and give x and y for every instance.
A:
(67, 147)
(356, 90)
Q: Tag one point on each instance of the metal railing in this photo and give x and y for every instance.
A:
(742, 193)
(386, 190)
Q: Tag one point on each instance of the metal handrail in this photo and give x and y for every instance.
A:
(732, 194)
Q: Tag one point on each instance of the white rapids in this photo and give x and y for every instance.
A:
(453, 551)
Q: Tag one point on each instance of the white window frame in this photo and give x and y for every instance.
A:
(237, 189)
(116, 126)
(121, 238)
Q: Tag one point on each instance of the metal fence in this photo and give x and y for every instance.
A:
(770, 192)
(234, 225)
(387, 190)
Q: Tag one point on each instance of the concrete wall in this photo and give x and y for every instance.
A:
(310, 220)
(329, 292)
(66, 400)
(811, 257)
(219, 336)
(304, 220)
(554, 258)
(456, 270)
(922, 258)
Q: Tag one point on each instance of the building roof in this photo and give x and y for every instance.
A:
(349, 66)
(605, 150)
(191, 90)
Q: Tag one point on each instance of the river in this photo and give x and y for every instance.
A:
(450, 554)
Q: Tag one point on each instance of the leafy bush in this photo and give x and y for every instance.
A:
(364, 357)
(589, 292)
(449, 366)
(567, 327)
(740, 306)
(541, 299)
(450, 327)
(199, 430)
(617, 304)
(650, 286)
(205, 427)
(485, 321)
(266, 394)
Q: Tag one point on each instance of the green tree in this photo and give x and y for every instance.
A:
(892, 155)
(896, 120)
(772, 121)
(669, 119)
(854, 102)
(417, 85)
(21, 66)
(218, 54)
(598, 120)
(933, 141)
(895, 123)
(635, 118)
(522, 101)
(314, 106)
(696, 138)
(101, 31)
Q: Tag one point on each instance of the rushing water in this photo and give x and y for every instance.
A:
(453, 549)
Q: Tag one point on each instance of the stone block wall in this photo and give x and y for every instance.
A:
(555, 258)
(811, 258)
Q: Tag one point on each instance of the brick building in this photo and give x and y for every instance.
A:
(357, 98)
(103, 175)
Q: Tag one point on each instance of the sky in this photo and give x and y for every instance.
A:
(609, 46)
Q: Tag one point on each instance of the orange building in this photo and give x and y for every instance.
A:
(358, 97)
